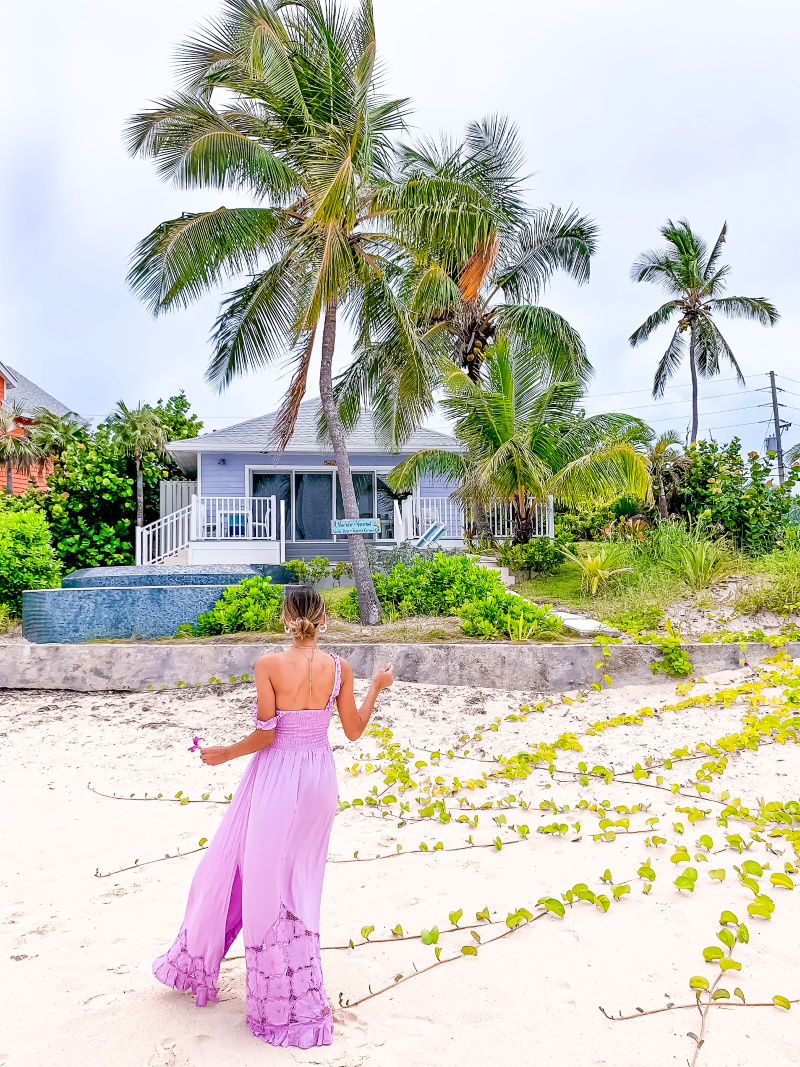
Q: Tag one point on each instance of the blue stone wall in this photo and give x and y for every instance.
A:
(65, 616)
(205, 574)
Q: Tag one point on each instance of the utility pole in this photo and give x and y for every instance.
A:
(777, 419)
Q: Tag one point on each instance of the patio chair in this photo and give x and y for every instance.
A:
(431, 535)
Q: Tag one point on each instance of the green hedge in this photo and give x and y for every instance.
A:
(27, 558)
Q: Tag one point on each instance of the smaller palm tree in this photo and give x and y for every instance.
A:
(138, 432)
(17, 448)
(523, 440)
(53, 434)
(694, 279)
(663, 454)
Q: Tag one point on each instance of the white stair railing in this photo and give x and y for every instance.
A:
(163, 538)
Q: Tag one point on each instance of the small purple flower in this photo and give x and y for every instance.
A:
(195, 744)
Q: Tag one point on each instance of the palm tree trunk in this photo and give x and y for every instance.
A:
(693, 371)
(139, 493)
(521, 518)
(368, 604)
(663, 510)
(9, 477)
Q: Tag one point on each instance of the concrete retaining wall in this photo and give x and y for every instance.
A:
(530, 668)
(183, 574)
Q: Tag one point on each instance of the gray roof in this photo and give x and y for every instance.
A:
(255, 435)
(27, 395)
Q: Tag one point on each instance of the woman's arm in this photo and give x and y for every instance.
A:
(258, 739)
(354, 720)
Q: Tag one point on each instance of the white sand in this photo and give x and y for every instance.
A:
(76, 949)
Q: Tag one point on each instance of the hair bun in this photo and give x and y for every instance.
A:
(302, 628)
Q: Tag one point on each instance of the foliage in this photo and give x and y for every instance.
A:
(138, 433)
(541, 555)
(311, 571)
(523, 439)
(586, 522)
(253, 605)
(702, 563)
(18, 449)
(675, 660)
(599, 566)
(695, 280)
(27, 558)
(340, 570)
(776, 586)
(503, 614)
(176, 419)
(736, 495)
(647, 617)
(438, 586)
(8, 619)
(91, 506)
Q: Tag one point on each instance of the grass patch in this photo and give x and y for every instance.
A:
(775, 586)
(562, 589)
(334, 596)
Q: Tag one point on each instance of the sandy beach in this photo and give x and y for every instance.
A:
(79, 935)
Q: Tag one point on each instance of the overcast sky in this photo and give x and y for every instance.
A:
(634, 112)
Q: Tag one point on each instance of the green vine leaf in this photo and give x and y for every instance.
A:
(781, 1002)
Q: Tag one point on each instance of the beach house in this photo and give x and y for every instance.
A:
(25, 397)
(243, 502)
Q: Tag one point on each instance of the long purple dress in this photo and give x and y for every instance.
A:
(263, 874)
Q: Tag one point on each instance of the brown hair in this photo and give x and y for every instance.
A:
(303, 611)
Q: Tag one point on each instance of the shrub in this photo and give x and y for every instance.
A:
(253, 604)
(505, 614)
(737, 496)
(702, 563)
(437, 586)
(309, 572)
(600, 566)
(27, 558)
(383, 560)
(541, 555)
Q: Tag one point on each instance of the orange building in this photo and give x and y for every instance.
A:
(16, 389)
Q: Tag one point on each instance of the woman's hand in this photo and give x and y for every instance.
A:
(212, 757)
(383, 678)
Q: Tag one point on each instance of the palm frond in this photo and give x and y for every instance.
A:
(752, 308)
(652, 322)
(669, 363)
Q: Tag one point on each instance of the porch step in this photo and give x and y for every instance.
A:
(177, 559)
(506, 576)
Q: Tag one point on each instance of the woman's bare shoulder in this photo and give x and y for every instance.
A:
(269, 660)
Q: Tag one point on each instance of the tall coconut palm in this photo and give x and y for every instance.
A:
(663, 453)
(523, 439)
(694, 279)
(18, 451)
(461, 289)
(138, 432)
(301, 126)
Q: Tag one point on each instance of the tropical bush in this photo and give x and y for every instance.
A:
(737, 495)
(586, 523)
(598, 567)
(541, 555)
(253, 605)
(309, 571)
(438, 586)
(702, 563)
(384, 559)
(27, 558)
(503, 614)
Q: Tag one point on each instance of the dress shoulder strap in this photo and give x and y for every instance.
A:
(337, 681)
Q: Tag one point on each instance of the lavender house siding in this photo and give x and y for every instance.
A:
(231, 477)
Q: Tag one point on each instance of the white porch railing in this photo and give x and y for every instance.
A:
(240, 518)
(427, 510)
(163, 538)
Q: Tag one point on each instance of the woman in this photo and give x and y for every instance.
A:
(263, 871)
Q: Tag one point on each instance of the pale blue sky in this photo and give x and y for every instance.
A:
(632, 111)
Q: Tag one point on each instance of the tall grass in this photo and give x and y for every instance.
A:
(775, 585)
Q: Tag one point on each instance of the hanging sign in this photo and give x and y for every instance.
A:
(355, 526)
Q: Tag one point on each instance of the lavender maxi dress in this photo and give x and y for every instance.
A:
(263, 874)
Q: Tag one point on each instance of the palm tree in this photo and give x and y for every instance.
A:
(53, 434)
(459, 288)
(138, 432)
(17, 448)
(301, 125)
(523, 440)
(663, 454)
(693, 278)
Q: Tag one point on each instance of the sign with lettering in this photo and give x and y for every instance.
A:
(354, 526)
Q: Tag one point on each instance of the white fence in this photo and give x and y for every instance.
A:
(450, 513)
(174, 495)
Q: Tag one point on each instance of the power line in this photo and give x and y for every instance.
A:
(626, 392)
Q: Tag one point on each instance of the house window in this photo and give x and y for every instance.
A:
(278, 485)
(313, 506)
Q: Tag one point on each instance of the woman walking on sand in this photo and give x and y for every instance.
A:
(263, 870)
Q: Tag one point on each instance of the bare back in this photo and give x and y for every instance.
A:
(293, 681)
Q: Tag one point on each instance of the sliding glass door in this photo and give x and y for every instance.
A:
(313, 506)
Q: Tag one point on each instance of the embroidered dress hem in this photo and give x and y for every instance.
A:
(176, 969)
(300, 1035)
